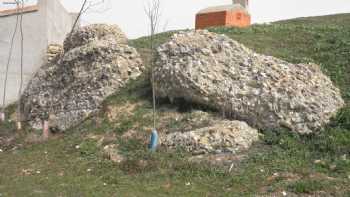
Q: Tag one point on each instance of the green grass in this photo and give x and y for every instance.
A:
(282, 161)
(307, 186)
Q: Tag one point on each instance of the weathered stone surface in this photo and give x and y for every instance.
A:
(93, 32)
(266, 92)
(222, 137)
(74, 87)
(54, 52)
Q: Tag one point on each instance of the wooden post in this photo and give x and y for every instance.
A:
(19, 125)
(46, 131)
(2, 117)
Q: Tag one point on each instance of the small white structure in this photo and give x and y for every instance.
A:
(44, 22)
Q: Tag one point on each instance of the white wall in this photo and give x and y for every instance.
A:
(48, 25)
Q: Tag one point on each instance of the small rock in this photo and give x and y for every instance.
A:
(321, 162)
(333, 167)
(344, 157)
(54, 51)
(284, 193)
(27, 172)
(14, 148)
(317, 161)
(221, 137)
(38, 172)
(1, 151)
(112, 153)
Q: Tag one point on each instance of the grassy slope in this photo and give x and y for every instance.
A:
(281, 162)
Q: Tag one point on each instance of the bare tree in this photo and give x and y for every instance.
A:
(96, 6)
(78, 17)
(152, 10)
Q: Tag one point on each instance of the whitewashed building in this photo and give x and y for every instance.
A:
(44, 22)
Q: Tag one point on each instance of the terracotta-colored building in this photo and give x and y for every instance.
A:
(234, 15)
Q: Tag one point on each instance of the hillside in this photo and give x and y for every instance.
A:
(338, 19)
(74, 165)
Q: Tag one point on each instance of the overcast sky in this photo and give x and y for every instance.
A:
(180, 14)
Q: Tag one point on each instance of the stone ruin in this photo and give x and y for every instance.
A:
(266, 92)
(96, 62)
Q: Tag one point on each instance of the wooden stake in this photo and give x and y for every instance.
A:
(46, 132)
(19, 125)
(2, 116)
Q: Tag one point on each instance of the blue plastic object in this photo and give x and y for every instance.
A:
(154, 140)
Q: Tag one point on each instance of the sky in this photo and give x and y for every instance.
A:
(180, 14)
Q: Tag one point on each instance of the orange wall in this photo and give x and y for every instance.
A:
(210, 20)
(223, 18)
(237, 19)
